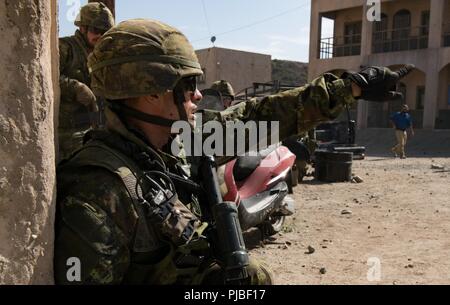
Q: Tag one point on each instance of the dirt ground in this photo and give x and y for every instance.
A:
(390, 229)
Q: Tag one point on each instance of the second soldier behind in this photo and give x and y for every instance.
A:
(78, 109)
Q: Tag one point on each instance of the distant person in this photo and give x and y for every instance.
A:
(77, 99)
(401, 121)
(226, 92)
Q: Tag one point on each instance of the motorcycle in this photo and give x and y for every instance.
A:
(258, 184)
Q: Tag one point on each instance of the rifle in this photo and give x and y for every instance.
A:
(229, 243)
(101, 112)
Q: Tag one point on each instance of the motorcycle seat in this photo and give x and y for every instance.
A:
(246, 165)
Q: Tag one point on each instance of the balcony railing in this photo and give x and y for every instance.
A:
(349, 45)
(446, 35)
(411, 38)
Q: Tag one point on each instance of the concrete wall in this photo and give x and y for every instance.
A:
(240, 68)
(324, 65)
(27, 171)
(328, 6)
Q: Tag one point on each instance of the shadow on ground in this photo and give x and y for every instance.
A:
(425, 143)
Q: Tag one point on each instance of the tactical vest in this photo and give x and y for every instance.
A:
(98, 154)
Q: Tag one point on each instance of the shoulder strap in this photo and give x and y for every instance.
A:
(100, 155)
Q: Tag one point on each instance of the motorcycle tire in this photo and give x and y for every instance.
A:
(272, 226)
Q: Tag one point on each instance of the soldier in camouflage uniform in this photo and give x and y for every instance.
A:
(140, 222)
(78, 106)
(226, 91)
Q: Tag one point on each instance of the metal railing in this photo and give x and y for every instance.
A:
(349, 45)
(446, 35)
(410, 38)
(262, 89)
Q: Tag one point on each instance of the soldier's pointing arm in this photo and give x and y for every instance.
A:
(297, 110)
(301, 109)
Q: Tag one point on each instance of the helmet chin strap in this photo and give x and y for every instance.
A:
(139, 115)
(178, 97)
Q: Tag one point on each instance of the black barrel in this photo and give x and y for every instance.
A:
(333, 166)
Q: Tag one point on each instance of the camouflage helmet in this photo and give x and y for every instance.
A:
(223, 87)
(95, 14)
(141, 57)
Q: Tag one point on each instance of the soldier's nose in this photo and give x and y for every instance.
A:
(196, 96)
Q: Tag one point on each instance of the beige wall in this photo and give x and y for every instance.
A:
(29, 76)
(328, 6)
(240, 68)
(317, 67)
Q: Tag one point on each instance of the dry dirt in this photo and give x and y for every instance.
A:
(396, 232)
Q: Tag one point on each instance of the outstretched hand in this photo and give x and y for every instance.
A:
(378, 83)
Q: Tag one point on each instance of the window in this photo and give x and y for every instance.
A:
(402, 30)
(352, 39)
(402, 19)
(352, 32)
(380, 28)
(380, 35)
(424, 23)
(420, 97)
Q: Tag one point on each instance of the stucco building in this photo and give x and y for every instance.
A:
(240, 68)
(410, 31)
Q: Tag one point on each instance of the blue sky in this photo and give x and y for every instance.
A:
(278, 28)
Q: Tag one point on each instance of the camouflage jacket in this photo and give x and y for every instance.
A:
(97, 220)
(73, 53)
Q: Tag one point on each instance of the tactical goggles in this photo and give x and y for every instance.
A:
(188, 84)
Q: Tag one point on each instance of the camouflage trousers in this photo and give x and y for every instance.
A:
(259, 274)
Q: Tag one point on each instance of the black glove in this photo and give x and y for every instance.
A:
(378, 84)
